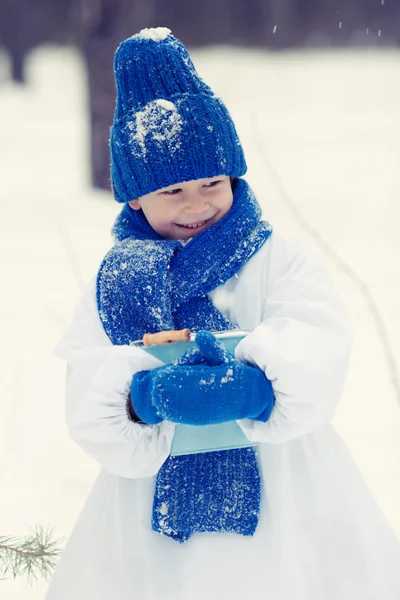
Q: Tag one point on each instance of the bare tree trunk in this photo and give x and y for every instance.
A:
(97, 26)
(26, 25)
(103, 24)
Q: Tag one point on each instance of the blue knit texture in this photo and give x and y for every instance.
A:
(220, 388)
(147, 284)
(168, 125)
(214, 492)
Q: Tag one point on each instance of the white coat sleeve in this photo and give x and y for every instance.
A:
(99, 376)
(302, 344)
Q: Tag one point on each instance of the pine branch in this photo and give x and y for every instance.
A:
(29, 556)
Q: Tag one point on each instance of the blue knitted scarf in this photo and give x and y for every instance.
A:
(147, 284)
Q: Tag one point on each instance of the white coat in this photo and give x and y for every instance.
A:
(321, 535)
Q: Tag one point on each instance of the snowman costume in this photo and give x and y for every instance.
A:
(320, 534)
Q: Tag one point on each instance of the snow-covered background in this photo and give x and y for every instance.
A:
(321, 132)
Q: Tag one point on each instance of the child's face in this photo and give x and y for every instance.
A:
(183, 210)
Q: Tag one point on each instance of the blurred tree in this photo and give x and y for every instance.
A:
(97, 26)
(26, 25)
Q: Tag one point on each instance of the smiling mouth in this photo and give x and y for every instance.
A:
(193, 225)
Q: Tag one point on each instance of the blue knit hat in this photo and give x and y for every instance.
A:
(168, 125)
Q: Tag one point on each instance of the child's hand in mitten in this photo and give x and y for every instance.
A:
(213, 387)
(141, 392)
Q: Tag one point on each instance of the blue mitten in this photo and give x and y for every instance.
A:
(218, 389)
(141, 396)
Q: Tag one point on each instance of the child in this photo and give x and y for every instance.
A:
(287, 519)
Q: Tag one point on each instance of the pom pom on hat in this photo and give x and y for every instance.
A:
(168, 125)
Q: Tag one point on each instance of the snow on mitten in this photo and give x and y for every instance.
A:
(218, 390)
(142, 387)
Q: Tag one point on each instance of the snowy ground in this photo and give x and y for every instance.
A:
(321, 132)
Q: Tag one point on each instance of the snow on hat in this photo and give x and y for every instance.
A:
(168, 125)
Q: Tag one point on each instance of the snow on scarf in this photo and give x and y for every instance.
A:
(147, 284)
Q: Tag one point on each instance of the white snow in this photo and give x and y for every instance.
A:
(208, 381)
(228, 376)
(167, 104)
(163, 508)
(159, 120)
(153, 33)
(322, 147)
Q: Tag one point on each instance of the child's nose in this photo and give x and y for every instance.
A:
(196, 205)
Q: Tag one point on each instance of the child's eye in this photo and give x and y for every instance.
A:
(172, 192)
(212, 184)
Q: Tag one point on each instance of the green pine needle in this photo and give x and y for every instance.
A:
(30, 556)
